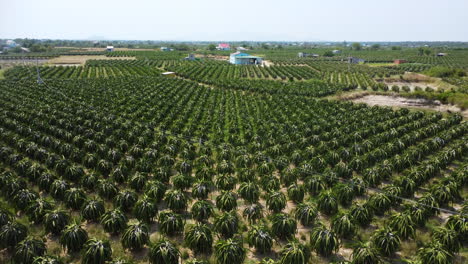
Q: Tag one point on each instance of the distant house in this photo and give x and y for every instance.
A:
(240, 58)
(166, 49)
(169, 74)
(305, 55)
(25, 50)
(336, 51)
(241, 49)
(398, 62)
(223, 46)
(440, 54)
(11, 43)
(110, 48)
(354, 60)
(190, 57)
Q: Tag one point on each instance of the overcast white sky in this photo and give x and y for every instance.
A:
(295, 20)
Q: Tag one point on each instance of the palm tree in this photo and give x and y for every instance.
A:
(135, 236)
(163, 252)
(199, 238)
(324, 241)
(176, 200)
(249, 191)
(386, 241)
(46, 260)
(93, 209)
(125, 200)
(343, 225)
(344, 193)
(296, 192)
(229, 252)
(202, 210)
(327, 203)
(170, 223)
(226, 201)
(276, 201)
(145, 209)
(253, 212)
(114, 221)
(403, 225)
(435, 253)
(96, 252)
(28, 249)
(55, 221)
(11, 234)
(227, 224)
(75, 198)
(294, 252)
(73, 238)
(306, 213)
(459, 223)
(449, 238)
(260, 238)
(283, 226)
(365, 254)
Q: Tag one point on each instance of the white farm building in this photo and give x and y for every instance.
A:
(240, 58)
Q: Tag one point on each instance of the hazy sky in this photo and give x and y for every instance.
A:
(296, 20)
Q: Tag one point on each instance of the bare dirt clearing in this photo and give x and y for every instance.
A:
(397, 101)
(67, 60)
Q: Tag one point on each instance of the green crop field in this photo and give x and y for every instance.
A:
(112, 162)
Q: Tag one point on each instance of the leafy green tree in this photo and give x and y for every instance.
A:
(227, 224)
(435, 253)
(229, 252)
(11, 234)
(324, 241)
(170, 223)
(294, 252)
(28, 249)
(145, 209)
(164, 252)
(386, 241)
(283, 226)
(226, 201)
(253, 212)
(114, 221)
(276, 201)
(202, 210)
(356, 46)
(260, 238)
(211, 47)
(93, 209)
(306, 213)
(135, 236)
(73, 238)
(96, 252)
(365, 254)
(55, 221)
(199, 238)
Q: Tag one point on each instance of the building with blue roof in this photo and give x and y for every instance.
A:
(240, 58)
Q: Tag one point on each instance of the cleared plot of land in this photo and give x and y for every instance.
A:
(72, 59)
(397, 101)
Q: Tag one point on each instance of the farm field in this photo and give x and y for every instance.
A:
(112, 162)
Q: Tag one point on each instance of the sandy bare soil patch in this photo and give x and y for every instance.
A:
(397, 101)
(81, 59)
